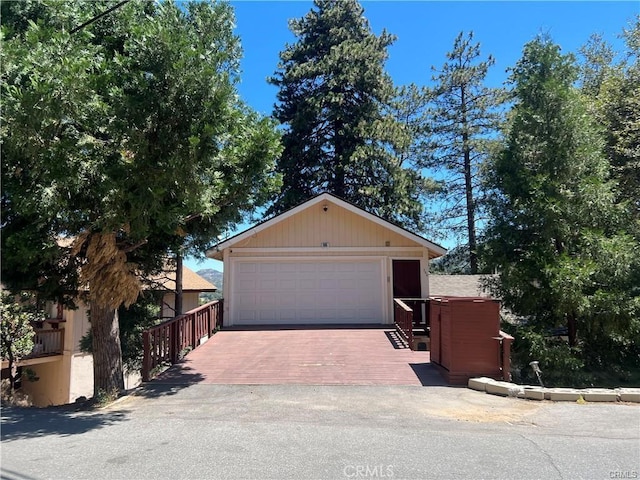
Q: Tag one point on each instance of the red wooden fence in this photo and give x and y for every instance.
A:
(166, 342)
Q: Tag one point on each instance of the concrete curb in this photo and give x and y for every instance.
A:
(532, 392)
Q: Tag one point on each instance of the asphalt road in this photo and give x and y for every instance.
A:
(307, 432)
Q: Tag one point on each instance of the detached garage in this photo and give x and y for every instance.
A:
(325, 261)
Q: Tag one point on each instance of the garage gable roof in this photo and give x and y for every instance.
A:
(436, 249)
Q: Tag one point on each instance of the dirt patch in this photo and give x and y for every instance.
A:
(518, 413)
(471, 406)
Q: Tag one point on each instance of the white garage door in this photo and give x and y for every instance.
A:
(307, 292)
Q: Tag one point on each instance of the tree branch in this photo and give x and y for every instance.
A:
(99, 16)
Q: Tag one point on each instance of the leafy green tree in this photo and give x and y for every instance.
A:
(617, 106)
(618, 110)
(463, 120)
(597, 57)
(122, 142)
(244, 179)
(614, 100)
(16, 330)
(556, 233)
(332, 100)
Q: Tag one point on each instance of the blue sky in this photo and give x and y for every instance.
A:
(425, 31)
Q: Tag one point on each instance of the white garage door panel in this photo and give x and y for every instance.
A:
(286, 292)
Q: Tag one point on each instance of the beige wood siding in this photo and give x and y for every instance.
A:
(337, 226)
(76, 327)
(190, 300)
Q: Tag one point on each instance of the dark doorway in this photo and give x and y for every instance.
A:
(406, 284)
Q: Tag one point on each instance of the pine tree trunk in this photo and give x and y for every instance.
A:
(471, 214)
(468, 186)
(338, 186)
(339, 162)
(107, 353)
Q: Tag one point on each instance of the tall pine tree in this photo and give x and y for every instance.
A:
(463, 119)
(338, 134)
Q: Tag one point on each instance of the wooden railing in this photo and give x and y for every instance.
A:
(47, 342)
(167, 342)
(403, 318)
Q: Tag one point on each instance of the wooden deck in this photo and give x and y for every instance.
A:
(305, 355)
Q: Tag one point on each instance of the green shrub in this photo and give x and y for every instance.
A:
(603, 361)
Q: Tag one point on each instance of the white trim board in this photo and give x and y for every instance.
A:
(365, 250)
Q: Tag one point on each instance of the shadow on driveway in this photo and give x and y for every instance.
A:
(11, 475)
(20, 423)
(30, 422)
(428, 375)
(170, 382)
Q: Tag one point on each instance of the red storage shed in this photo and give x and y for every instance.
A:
(466, 340)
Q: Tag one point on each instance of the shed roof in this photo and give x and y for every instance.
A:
(191, 281)
(456, 286)
(435, 249)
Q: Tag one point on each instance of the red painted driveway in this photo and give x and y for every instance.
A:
(322, 356)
